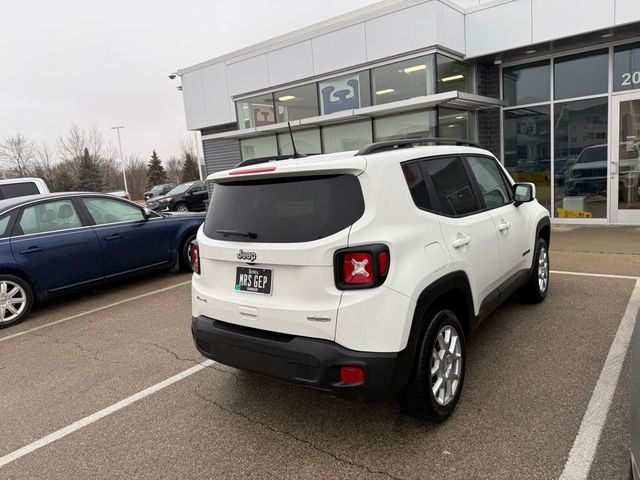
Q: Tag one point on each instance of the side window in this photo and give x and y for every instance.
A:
(415, 182)
(493, 186)
(198, 187)
(451, 185)
(107, 210)
(4, 225)
(49, 216)
(12, 190)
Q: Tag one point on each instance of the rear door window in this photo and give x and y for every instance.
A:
(282, 210)
(451, 185)
(49, 217)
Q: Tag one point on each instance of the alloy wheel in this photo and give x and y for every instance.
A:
(446, 365)
(543, 269)
(13, 301)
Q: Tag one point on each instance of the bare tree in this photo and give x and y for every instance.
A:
(45, 162)
(72, 145)
(136, 177)
(173, 168)
(17, 154)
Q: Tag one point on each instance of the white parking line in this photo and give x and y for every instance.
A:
(586, 442)
(75, 426)
(89, 312)
(599, 275)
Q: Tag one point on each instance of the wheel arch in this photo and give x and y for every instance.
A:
(543, 230)
(26, 277)
(452, 291)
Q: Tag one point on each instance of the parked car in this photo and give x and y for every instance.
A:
(158, 190)
(364, 274)
(120, 194)
(19, 187)
(588, 174)
(52, 244)
(186, 197)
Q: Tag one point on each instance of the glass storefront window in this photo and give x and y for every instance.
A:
(405, 125)
(345, 93)
(581, 75)
(454, 75)
(307, 141)
(346, 136)
(581, 158)
(402, 80)
(256, 147)
(626, 67)
(255, 111)
(526, 84)
(296, 103)
(456, 124)
(527, 148)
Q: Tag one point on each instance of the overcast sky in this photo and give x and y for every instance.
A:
(106, 62)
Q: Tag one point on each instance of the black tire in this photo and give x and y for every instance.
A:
(417, 398)
(185, 255)
(532, 291)
(23, 309)
(181, 207)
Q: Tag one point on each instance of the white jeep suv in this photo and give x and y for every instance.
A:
(363, 273)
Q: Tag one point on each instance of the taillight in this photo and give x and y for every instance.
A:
(194, 257)
(361, 267)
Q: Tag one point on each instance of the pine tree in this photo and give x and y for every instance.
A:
(62, 181)
(89, 176)
(155, 171)
(189, 169)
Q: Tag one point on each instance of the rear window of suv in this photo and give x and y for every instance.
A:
(283, 210)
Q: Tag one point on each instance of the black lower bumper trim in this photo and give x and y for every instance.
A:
(300, 360)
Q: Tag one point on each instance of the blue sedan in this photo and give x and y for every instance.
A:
(56, 243)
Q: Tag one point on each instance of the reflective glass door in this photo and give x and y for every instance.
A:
(624, 171)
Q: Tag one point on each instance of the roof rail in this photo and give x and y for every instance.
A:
(378, 147)
(274, 158)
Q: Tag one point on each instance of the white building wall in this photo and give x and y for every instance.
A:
(393, 27)
(553, 19)
(339, 49)
(499, 27)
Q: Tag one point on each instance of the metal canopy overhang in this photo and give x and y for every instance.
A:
(454, 99)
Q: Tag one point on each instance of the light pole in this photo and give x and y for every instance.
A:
(124, 174)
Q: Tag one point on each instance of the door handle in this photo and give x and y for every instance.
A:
(29, 250)
(504, 225)
(461, 241)
(115, 236)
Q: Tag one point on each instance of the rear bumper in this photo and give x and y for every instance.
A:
(299, 360)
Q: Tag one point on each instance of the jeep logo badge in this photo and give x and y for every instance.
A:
(251, 256)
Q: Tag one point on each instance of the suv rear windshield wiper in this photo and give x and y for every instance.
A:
(239, 233)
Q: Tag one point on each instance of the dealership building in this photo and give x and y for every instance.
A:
(551, 87)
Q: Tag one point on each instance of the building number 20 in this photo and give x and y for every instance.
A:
(630, 78)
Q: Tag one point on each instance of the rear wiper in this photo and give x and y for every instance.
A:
(239, 233)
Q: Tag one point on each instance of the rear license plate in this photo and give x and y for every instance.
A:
(255, 280)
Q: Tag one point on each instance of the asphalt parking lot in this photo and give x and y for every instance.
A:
(531, 374)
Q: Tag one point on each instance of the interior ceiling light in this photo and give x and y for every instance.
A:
(451, 126)
(385, 91)
(415, 68)
(453, 77)
(529, 52)
(459, 117)
(607, 35)
(286, 98)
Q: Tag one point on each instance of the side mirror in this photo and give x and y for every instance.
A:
(523, 193)
(147, 213)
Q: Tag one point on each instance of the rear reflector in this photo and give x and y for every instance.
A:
(194, 254)
(351, 375)
(383, 262)
(247, 171)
